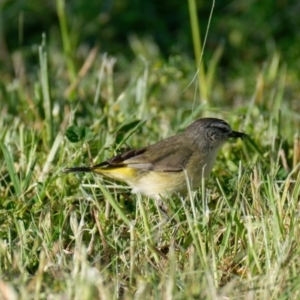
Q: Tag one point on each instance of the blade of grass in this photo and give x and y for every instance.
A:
(60, 6)
(45, 91)
(197, 48)
(11, 169)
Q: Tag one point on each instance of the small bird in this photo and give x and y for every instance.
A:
(163, 168)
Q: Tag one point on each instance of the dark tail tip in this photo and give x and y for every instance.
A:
(77, 169)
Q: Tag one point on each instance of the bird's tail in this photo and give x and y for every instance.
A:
(78, 169)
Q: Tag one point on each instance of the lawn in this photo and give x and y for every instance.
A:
(82, 236)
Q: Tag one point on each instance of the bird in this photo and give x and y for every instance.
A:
(172, 165)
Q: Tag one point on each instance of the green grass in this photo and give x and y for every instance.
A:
(74, 236)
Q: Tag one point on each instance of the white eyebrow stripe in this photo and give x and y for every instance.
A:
(221, 125)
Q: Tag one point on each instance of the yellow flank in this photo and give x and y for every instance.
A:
(118, 173)
(153, 183)
(150, 183)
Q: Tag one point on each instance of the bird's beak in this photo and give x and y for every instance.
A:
(236, 134)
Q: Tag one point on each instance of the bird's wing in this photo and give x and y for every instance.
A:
(169, 155)
(118, 160)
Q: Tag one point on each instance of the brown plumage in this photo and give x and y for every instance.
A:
(164, 168)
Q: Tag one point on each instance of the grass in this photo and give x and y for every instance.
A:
(82, 237)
